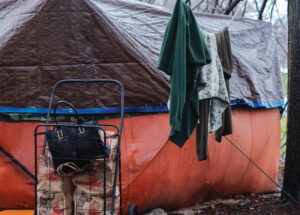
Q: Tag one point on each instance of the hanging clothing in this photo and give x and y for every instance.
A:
(212, 87)
(202, 129)
(183, 52)
(212, 84)
(224, 51)
(225, 55)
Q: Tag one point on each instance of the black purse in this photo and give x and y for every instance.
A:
(73, 148)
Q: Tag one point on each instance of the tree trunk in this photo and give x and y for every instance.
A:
(231, 7)
(261, 11)
(292, 164)
(215, 6)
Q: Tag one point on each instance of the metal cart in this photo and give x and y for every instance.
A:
(40, 140)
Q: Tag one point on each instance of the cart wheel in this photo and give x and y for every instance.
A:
(133, 210)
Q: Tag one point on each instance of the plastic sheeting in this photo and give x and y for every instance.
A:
(156, 172)
(43, 41)
(17, 212)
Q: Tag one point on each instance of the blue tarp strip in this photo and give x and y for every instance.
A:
(148, 109)
(257, 104)
(86, 111)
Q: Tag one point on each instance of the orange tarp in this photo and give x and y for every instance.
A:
(156, 172)
(17, 212)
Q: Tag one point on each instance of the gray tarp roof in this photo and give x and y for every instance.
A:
(43, 41)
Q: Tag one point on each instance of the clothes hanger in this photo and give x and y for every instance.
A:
(233, 17)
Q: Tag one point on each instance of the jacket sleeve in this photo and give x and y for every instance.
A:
(172, 61)
(197, 51)
(172, 35)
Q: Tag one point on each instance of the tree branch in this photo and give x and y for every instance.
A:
(244, 11)
(261, 11)
(215, 6)
(279, 17)
(207, 5)
(271, 14)
(231, 7)
(222, 3)
(198, 5)
(270, 5)
(222, 7)
(256, 5)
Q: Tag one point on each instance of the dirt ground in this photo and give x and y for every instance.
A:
(245, 204)
(266, 204)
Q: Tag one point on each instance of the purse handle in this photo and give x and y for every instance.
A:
(79, 120)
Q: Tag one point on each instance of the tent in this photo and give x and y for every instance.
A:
(43, 41)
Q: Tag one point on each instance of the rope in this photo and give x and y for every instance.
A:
(17, 162)
(282, 110)
(74, 168)
(260, 169)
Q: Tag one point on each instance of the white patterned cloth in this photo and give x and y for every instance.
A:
(212, 84)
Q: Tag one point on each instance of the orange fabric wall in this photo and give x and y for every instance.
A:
(17, 212)
(156, 172)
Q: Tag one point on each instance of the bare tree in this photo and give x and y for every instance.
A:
(197, 5)
(261, 11)
(231, 7)
(292, 171)
(215, 6)
(272, 10)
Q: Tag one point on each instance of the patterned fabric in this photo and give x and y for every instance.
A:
(54, 194)
(211, 84)
(81, 194)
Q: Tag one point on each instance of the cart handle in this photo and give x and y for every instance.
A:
(87, 81)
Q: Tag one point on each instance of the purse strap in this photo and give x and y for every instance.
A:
(79, 120)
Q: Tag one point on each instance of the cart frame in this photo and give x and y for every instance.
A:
(99, 126)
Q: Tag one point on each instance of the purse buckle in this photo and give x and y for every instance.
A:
(81, 130)
(60, 134)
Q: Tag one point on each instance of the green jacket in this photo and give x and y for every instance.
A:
(183, 52)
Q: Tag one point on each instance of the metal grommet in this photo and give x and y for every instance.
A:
(81, 130)
(60, 134)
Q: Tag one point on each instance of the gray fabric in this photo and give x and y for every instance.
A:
(256, 74)
(44, 41)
